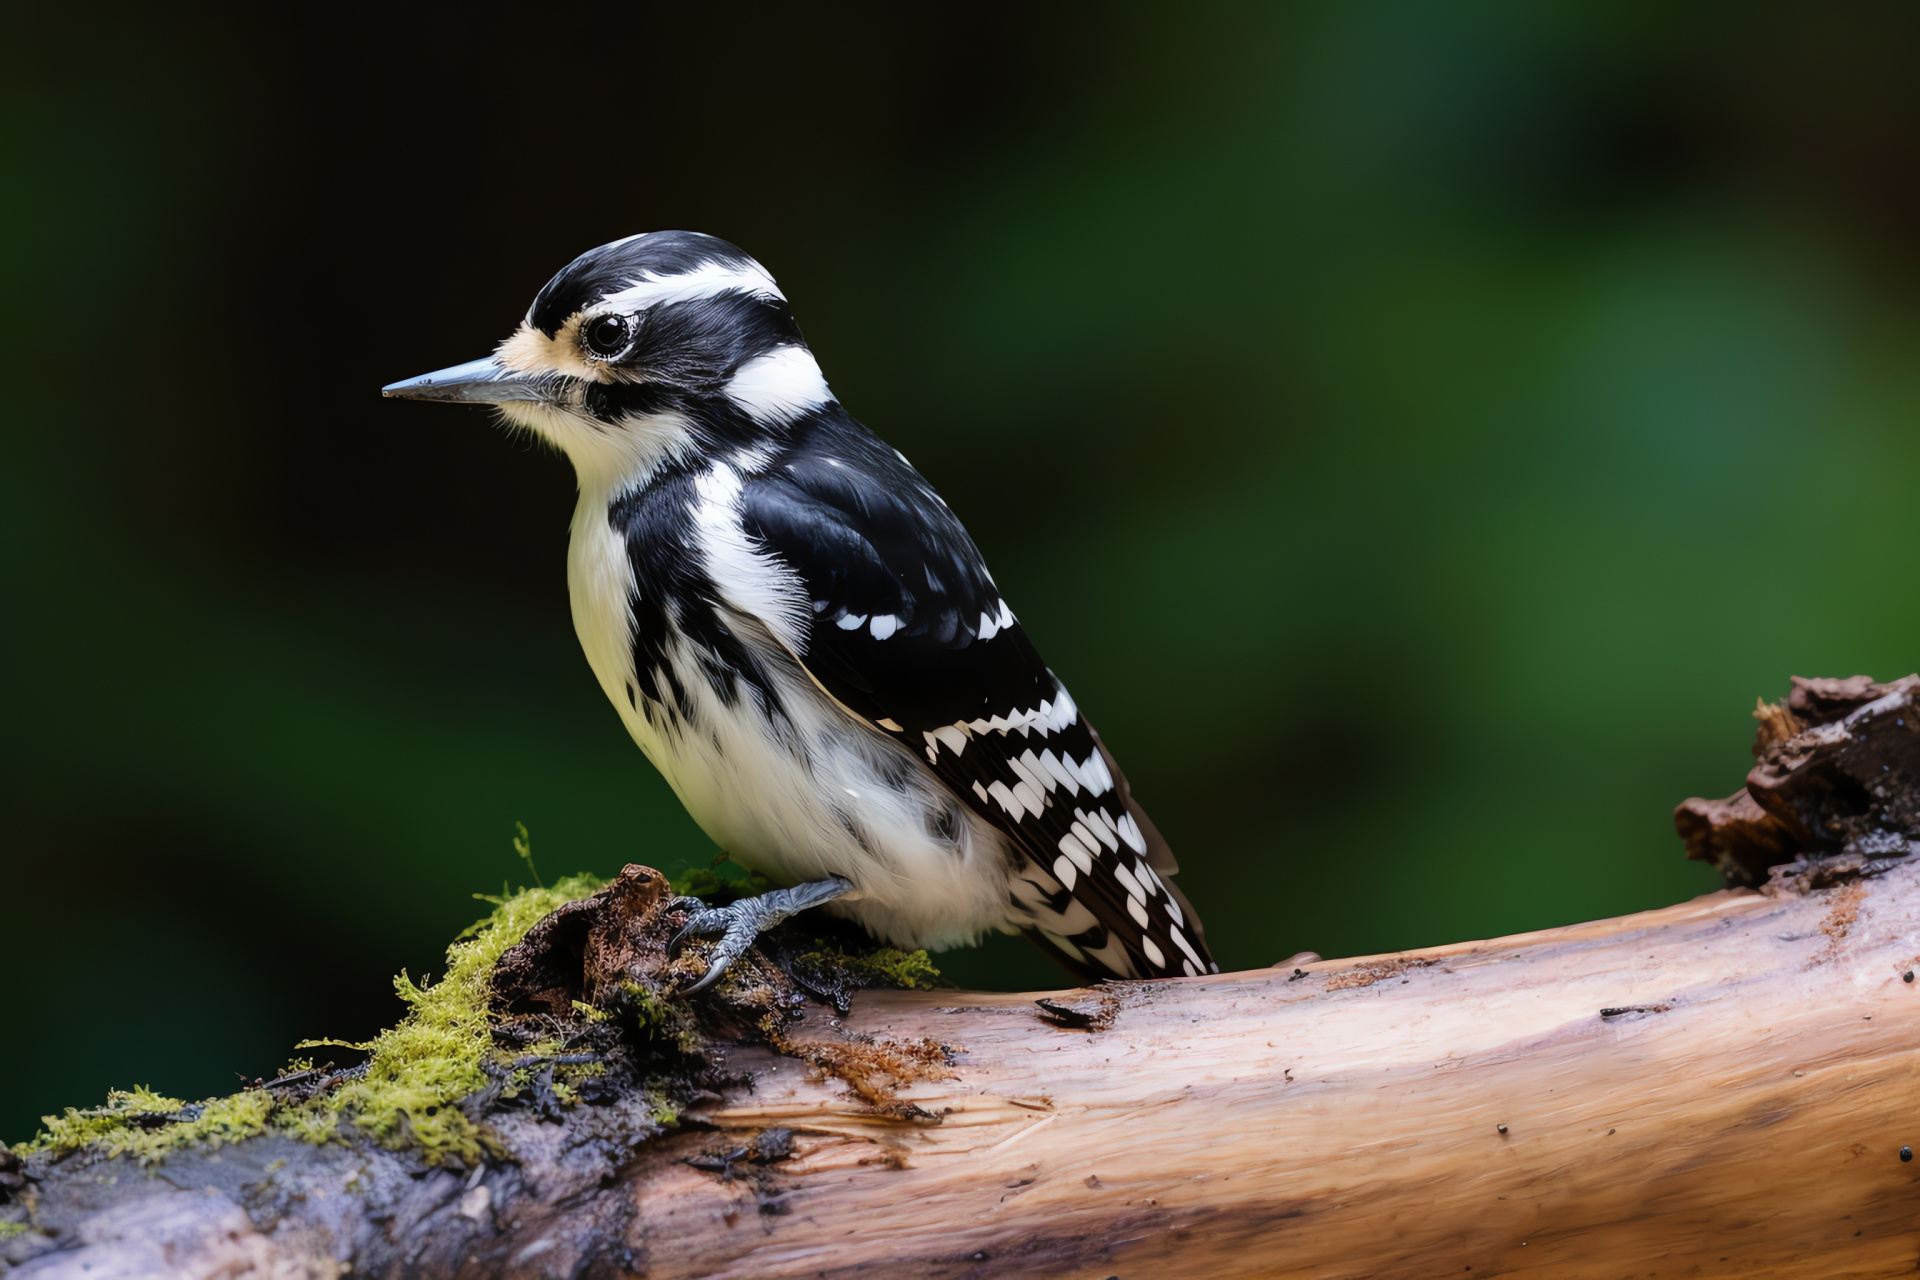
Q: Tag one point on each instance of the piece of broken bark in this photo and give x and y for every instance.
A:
(1837, 773)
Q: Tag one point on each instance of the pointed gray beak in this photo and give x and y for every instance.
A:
(476, 382)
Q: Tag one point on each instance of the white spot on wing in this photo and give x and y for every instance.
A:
(884, 625)
(1180, 940)
(1130, 832)
(1064, 712)
(1152, 951)
(1051, 763)
(851, 621)
(751, 461)
(1081, 853)
(1028, 796)
(1026, 768)
(1095, 832)
(1064, 869)
(1137, 911)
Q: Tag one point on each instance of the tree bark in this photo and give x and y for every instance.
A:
(1727, 1086)
(1721, 1087)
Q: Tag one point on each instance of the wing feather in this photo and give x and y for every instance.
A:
(910, 633)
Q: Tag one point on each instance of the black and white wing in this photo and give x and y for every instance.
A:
(909, 633)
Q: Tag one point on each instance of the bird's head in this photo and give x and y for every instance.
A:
(643, 347)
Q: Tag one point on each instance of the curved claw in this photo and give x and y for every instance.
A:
(740, 924)
(716, 969)
(706, 920)
(739, 930)
(694, 909)
(707, 979)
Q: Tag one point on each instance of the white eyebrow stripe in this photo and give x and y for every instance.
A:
(704, 281)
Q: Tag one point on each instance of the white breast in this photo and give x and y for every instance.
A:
(600, 587)
(851, 803)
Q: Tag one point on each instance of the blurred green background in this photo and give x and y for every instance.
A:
(1416, 433)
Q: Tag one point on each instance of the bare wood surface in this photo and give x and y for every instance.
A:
(1744, 1114)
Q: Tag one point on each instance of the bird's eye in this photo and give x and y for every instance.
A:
(608, 336)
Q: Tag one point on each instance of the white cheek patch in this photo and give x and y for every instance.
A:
(779, 386)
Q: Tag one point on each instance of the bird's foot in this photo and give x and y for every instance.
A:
(742, 922)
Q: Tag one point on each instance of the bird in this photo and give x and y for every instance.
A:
(803, 639)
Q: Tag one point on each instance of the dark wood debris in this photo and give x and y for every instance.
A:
(1834, 792)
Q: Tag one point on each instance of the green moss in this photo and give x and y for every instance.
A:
(662, 1108)
(8, 1230)
(884, 967)
(658, 1019)
(908, 970)
(436, 1055)
(145, 1126)
(408, 1092)
(404, 1097)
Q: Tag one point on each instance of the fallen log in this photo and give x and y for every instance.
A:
(1727, 1086)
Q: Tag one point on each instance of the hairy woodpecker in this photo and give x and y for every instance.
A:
(802, 637)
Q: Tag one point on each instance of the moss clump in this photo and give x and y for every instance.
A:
(885, 967)
(658, 1020)
(404, 1095)
(145, 1126)
(429, 1080)
(835, 969)
(439, 1053)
